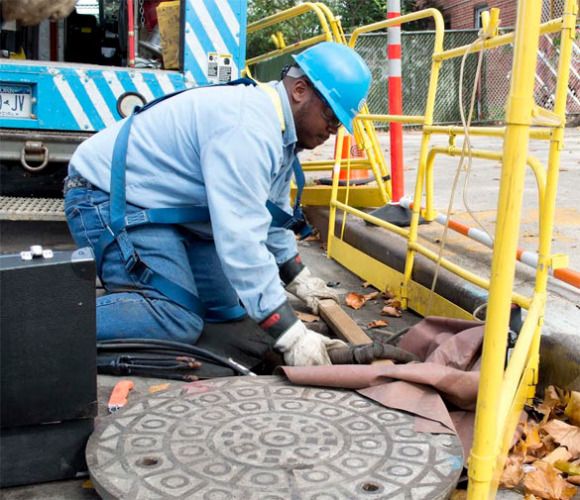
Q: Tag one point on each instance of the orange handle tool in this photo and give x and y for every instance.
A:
(119, 395)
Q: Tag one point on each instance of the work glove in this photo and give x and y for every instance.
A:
(310, 289)
(303, 347)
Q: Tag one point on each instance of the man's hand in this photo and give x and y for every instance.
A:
(303, 347)
(310, 289)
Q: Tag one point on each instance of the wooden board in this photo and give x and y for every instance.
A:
(344, 326)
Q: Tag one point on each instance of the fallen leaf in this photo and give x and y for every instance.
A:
(355, 300)
(307, 317)
(560, 453)
(391, 311)
(393, 303)
(313, 237)
(546, 482)
(565, 434)
(574, 480)
(572, 410)
(512, 472)
(458, 495)
(378, 323)
(371, 296)
(569, 468)
(366, 284)
(88, 485)
(157, 388)
(387, 294)
(533, 441)
(552, 403)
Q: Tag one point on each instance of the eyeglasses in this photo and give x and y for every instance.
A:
(327, 112)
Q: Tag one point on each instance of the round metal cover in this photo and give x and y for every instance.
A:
(263, 438)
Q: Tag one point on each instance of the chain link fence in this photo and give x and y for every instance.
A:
(492, 89)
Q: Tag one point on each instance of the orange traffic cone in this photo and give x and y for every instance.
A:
(351, 149)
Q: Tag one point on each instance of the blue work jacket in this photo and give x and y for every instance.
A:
(221, 148)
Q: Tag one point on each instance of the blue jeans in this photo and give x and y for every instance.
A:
(132, 309)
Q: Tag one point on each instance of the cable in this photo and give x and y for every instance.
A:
(466, 148)
(156, 345)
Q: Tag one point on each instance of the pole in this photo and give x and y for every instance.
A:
(395, 101)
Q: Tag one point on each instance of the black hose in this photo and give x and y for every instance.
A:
(169, 346)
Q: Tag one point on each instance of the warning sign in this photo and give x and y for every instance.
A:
(219, 67)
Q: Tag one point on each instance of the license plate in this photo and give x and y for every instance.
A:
(15, 101)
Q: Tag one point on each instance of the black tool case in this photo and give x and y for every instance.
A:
(48, 390)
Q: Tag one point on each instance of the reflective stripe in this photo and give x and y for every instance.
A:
(273, 95)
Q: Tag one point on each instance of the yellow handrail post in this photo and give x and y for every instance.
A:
(482, 460)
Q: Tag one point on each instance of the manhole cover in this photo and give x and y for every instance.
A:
(263, 438)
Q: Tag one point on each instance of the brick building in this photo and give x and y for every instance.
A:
(465, 14)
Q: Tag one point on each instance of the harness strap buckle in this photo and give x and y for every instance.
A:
(136, 218)
(131, 261)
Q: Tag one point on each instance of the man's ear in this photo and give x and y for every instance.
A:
(299, 91)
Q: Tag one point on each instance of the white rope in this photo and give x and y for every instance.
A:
(465, 152)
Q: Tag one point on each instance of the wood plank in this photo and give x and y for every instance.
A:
(341, 323)
(345, 327)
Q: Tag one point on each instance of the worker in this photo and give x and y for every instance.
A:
(187, 204)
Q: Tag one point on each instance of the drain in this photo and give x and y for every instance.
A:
(260, 437)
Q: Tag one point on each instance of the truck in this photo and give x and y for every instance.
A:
(62, 81)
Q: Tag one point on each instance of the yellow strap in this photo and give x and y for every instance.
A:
(273, 94)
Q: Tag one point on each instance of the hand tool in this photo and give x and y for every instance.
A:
(120, 395)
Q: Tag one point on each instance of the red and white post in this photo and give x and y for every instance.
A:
(395, 100)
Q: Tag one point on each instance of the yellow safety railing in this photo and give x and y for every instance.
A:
(503, 390)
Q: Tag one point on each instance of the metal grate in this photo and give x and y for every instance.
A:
(48, 209)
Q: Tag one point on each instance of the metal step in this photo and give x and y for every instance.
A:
(31, 209)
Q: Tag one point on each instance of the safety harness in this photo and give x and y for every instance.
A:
(120, 222)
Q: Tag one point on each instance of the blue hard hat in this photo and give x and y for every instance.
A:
(340, 75)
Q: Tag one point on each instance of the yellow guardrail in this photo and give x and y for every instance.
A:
(503, 390)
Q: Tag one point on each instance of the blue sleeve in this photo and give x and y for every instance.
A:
(238, 166)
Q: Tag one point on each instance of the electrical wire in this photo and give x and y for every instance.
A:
(465, 152)
(168, 346)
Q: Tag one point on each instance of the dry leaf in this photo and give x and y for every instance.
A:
(391, 311)
(533, 441)
(355, 300)
(546, 482)
(371, 296)
(378, 323)
(574, 480)
(512, 472)
(459, 495)
(569, 468)
(393, 303)
(560, 453)
(565, 434)
(572, 410)
(553, 402)
(307, 317)
(88, 485)
(387, 294)
(313, 237)
(531, 497)
(157, 388)
(366, 284)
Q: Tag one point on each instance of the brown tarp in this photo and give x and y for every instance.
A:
(440, 391)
